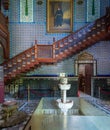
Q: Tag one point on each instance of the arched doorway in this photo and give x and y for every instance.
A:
(85, 68)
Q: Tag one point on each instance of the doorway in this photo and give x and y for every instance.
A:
(85, 74)
(85, 69)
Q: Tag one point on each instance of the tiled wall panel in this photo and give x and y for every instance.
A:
(103, 5)
(79, 11)
(23, 35)
(93, 10)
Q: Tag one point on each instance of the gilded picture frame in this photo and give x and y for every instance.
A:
(59, 16)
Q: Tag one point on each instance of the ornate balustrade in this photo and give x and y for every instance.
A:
(81, 39)
(28, 60)
(20, 63)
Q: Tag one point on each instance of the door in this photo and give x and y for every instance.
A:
(85, 74)
(88, 75)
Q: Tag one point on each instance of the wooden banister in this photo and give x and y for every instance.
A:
(67, 46)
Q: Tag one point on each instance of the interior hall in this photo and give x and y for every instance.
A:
(54, 64)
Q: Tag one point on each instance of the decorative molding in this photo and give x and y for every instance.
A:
(85, 56)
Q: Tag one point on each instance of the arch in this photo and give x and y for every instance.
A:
(85, 56)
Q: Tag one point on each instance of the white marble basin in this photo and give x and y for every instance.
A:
(64, 106)
(64, 86)
(67, 105)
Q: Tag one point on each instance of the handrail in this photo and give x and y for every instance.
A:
(78, 36)
(60, 43)
(20, 54)
(87, 25)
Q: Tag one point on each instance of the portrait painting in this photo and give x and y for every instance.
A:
(59, 16)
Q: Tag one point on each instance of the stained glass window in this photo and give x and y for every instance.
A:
(26, 10)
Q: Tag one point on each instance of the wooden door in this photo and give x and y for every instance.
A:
(88, 75)
(85, 74)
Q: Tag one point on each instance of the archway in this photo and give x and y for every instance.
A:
(85, 68)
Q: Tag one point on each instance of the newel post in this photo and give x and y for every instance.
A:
(53, 47)
(36, 48)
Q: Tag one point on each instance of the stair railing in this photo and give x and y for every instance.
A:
(19, 62)
(66, 44)
(74, 42)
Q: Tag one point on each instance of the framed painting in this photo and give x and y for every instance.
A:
(59, 16)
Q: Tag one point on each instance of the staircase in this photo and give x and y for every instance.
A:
(49, 54)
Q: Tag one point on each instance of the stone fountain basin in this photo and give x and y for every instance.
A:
(67, 105)
(64, 86)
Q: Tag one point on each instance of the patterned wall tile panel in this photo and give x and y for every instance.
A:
(103, 5)
(14, 11)
(23, 35)
(26, 10)
(93, 10)
(79, 11)
(101, 53)
(62, 67)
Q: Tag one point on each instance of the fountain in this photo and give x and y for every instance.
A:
(63, 103)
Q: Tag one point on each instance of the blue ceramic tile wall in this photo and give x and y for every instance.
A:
(79, 14)
(93, 14)
(23, 36)
(103, 5)
(101, 53)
